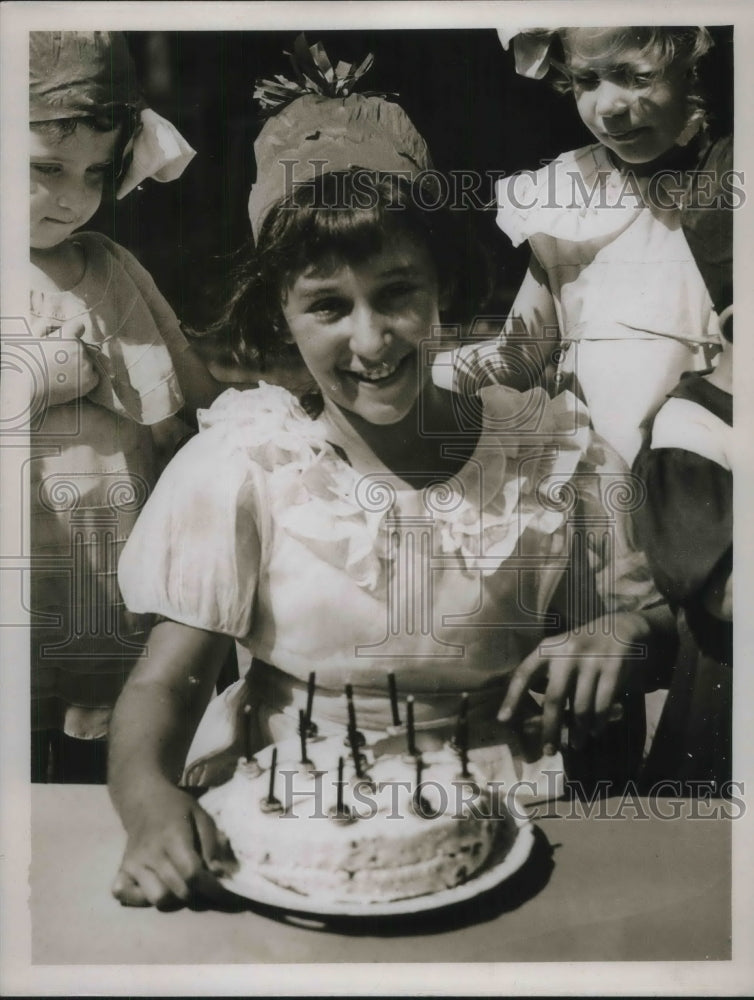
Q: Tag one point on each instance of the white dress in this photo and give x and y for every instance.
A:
(614, 298)
(93, 463)
(260, 529)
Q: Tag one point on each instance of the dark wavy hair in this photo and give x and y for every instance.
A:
(347, 215)
(119, 116)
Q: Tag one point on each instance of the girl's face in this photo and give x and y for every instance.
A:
(66, 182)
(358, 328)
(631, 105)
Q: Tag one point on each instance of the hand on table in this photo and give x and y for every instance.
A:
(589, 671)
(174, 852)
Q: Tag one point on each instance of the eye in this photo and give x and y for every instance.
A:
(48, 169)
(640, 80)
(585, 81)
(635, 79)
(394, 293)
(329, 308)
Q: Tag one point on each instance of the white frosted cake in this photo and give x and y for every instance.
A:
(363, 839)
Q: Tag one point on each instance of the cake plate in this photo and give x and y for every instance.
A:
(498, 868)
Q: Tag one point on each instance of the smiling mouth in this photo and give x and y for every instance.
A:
(625, 136)
(377, 373)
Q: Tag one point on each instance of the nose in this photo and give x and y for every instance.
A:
(612, 99)
(370, 333)
(72, 196)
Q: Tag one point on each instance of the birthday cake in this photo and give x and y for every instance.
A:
(366, 828)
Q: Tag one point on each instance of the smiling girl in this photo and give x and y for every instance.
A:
(391, 527)
(112, 366)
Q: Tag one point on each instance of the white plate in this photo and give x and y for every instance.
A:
(495, 872)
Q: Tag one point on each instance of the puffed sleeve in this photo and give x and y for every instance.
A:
(194, 555)
(134, 336)
(161, 311)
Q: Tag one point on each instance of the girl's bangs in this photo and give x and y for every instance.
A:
(662, 45)
(343, 216)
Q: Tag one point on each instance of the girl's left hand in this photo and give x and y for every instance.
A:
(591, 671)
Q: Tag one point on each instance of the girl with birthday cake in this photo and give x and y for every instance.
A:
(386, 528)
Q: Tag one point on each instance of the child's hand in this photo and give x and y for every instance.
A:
(69, 368)
(591, 672)
(174, 853)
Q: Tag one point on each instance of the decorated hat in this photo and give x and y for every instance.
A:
(79, 74)
(317, 125)
(73, 74)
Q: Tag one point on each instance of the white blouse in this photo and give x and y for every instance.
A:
(261, 529)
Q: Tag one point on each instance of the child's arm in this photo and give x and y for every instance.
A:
(592, 669)
(200, 389)
(172, 842)
(520, 356)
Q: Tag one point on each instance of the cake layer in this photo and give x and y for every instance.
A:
(387, 843)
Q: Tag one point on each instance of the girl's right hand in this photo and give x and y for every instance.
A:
(174, 852)
(68, 366)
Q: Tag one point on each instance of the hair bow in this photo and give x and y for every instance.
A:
(158, 150)
(531, 48)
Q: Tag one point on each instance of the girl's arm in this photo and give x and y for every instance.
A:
(521, 356)
(200, 389)
(593, 668)
(619, 636)
(172, 842)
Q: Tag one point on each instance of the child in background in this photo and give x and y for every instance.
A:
(115, 369)
(613, 302)
(686, 524)
(277, 526)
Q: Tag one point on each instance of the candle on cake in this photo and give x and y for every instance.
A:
(410, 728)
(340, 812)
(302, 732)
(311, 727)
(269, 803)
(393, 698)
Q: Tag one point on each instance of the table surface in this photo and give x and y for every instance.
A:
(622, 883)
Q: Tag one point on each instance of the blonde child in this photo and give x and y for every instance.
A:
(114, 368)
(613, 305)
(277, 526)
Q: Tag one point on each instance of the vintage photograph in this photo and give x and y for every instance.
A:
(369, 464)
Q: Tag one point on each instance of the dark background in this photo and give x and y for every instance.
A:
(458, 86)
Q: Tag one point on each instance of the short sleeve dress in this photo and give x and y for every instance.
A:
(614, 298)
(288, 534)
(92, 466)
(686, 529)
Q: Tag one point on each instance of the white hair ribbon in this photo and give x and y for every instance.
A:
(158, 150)
(531, 47)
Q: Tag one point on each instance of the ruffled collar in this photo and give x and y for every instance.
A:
(529, 449)
(580, 196)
